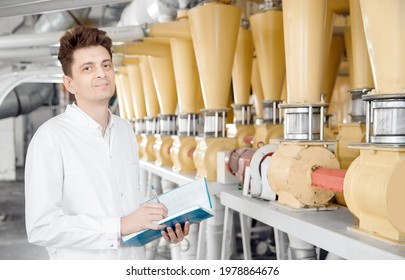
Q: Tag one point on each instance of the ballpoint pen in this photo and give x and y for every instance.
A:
(155, 193)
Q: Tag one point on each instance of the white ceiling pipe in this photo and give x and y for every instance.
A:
(45, 6)
(29, 40)
(8, 3)
(117, 34)
(147, 11)
(127, 32)
(44, 60)
(24, 53)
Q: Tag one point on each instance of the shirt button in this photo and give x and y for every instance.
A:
(122, 194)
(112, 246)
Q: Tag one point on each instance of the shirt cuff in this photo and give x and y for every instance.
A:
(112, 228)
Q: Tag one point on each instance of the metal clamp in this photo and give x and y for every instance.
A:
(385, 118)
(358, 106)
(271, 112)
(168, 124)
(188, 124)
(242, 114)
(140, 126)
(304, 121)
(152, 125)
(214, 122)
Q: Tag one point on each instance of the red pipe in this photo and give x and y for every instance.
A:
(330, 179)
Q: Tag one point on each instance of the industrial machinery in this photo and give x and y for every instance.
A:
(152, 111)
(268, 37)
(189, 99)
(303, 146)
(138, 97)
(210, 24)
(242, 128)
(163, 77)
(373, 186)
(361, 82)
(214, 30)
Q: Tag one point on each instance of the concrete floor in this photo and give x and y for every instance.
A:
(13, 238)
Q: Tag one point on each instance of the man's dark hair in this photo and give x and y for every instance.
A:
(80, 37)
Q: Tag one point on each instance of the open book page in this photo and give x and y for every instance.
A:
(186, 196)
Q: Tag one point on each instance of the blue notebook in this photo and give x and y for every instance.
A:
(193, 215)
(190, 202)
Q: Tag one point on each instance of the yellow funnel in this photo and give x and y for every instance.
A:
(329, 22)
(138, 97)
(349, 53)
(242, 67)
(151, 101)
(214, 29)
(163, 76)
(120, 97)
(268, 36)
(283, 96)
(332, 68)
(362, 75)
(304, 33)
(124, 87)
(186, 73)
(257, 90)
(384, 25)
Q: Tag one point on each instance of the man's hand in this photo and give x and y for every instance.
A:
(176, 235)
(143, 218)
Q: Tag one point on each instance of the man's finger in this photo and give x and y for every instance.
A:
(172, 235)
(186, 229)
(165, 236)
(179, 232)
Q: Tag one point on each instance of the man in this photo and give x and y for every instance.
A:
(82, 174)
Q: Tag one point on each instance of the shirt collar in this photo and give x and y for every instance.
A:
(83, 118)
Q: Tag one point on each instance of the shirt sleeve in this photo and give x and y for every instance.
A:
(46, 223)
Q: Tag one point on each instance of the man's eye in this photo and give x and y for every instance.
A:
(87, 68)
(107, 66)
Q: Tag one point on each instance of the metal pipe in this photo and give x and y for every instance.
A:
(117, 34)
(188, 247)
(301, 250)
(25, 99)
(35, 7)
(27, 53)
(368, 121)
(310, 123)
(321, 120)
(223, 123)
(216, 120)
(214, 230)
(331, 256)
(10, 80)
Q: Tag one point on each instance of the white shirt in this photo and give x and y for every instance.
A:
(78, 184)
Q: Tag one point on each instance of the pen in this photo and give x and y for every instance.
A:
(155, 193)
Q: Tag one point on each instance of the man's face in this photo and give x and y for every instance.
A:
(92, 80)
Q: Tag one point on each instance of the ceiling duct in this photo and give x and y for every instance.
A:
(61, 20)
(26, 98)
